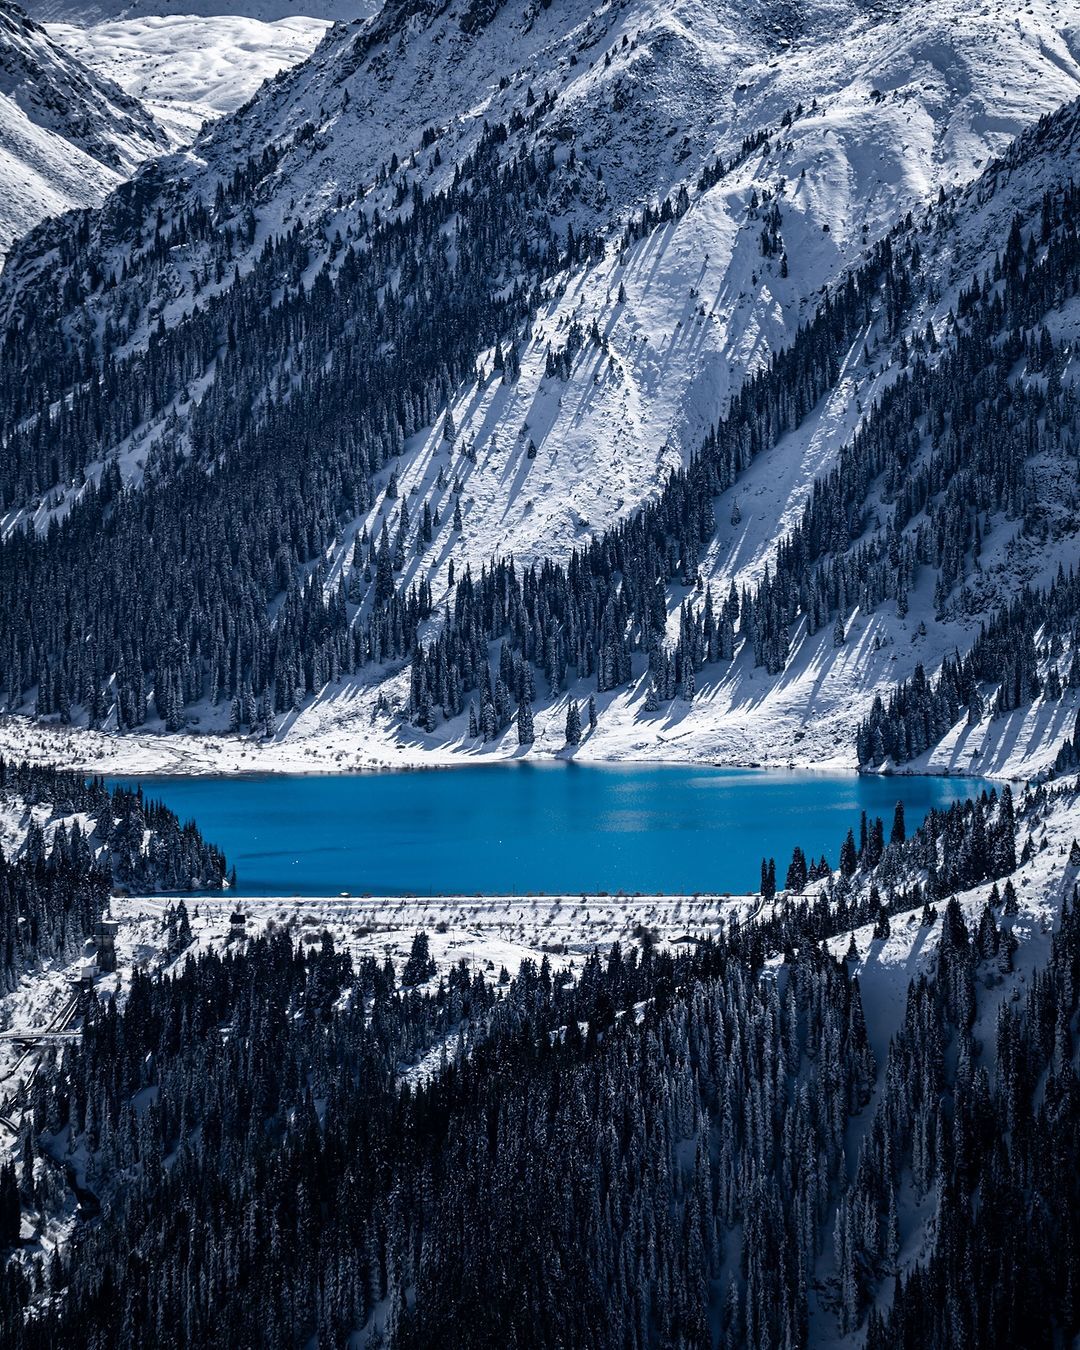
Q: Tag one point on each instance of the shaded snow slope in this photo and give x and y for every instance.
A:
(67, 136)
(644, 96)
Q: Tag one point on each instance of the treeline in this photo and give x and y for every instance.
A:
(611, 597)
(676, 204)
(71, 393)
(166, 624)
(954, 849)
(653, 1154)
(947, 447)
(54, 890)
(315, 385)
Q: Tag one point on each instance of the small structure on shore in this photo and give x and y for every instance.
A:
(105, 943)
(83, 978)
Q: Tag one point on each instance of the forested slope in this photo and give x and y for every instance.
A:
(278, 418)
(701, 1145)
(67, 844)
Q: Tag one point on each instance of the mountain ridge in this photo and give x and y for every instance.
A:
(568, 445)
(67, 136)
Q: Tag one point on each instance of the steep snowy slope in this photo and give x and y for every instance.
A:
(826, 134)
(67, 136)
(646, 95)
(906, 103)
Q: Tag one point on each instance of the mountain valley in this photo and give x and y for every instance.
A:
(539, 390)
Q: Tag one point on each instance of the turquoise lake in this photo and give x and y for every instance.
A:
(514, 829)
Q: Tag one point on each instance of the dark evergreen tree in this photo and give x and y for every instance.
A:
(573, 724)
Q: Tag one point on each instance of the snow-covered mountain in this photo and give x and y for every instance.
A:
(187, 68)
(647, 95)
(67, 136)
(263, 11)
(785, 149)
(82, 106)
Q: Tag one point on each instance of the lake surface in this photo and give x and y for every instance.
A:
(513, 829)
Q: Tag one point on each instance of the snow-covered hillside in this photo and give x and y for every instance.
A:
(892, 106)
(827, 133)
(187, 68)
(264, 11)
(67, 136)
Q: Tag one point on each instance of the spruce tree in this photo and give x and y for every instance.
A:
(573, 724)
(849, 858)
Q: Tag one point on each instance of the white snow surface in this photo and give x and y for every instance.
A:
(886, 966)
(190, 68)
(896, 102)
(67, 136)
(87, 12)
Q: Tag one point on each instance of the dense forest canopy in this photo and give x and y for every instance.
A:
(654, 1152)
(209, 581)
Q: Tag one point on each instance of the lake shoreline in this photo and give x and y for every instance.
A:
(160, 755)
(151, 776)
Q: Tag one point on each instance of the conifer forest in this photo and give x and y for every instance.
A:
(539, 675)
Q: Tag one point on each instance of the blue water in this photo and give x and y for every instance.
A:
(514, 829)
